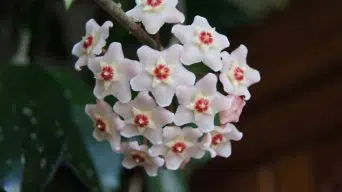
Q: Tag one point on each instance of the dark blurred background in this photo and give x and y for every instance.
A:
(292, 125)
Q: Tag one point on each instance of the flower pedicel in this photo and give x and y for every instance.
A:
(174, 109)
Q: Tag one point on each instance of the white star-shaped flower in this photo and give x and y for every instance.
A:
(113, 73)
(162, 73)
(155, 13)
(92, 43)
(200, 103)
(143, 117)
(138, 155)
(217, 142)
(107, 124)
(179, 146)
(236, 76)
(201, 43)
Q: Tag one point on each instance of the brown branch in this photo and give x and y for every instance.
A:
(114, 9)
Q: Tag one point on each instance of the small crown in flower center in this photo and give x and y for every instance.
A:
(88, 42)
(141, 120)
(107, 73)
(162, 72)
(206, 37)
(202, 105)
(138, 158)
(217, 139)
(179, 147)
(154, 3)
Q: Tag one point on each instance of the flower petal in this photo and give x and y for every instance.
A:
(124, 109)
(154, 135)
(114, 53)
(207, 85)
(135, 13)
(205, 122)
(142, 82)
(129, 131)
(144, 101)
(163, 94)
(233, 134)
(91, 26)
(192, 134)
(148, 56)
(151, 170)
(172, 15)
(161, 116)
(192, 54)
(128, 163)
(169, 132)
(99, 90)
(196, 152)
(183, 116)
(224, 150)
(152, 22)
(253, 76)
(240, 54)
(213, 60)
(173, 162)
(182, 32)
(121, 90)
(82, 61)
(184, 77)
(185, 94)
(130, 68)
(157, 150)
(222, 41)
(98, 136)
(104, 30)
(172, 54)
(220, 102)
(201, 22)
(115, 142)
(78, 49)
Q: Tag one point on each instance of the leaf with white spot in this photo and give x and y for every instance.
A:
(33, 102)
(96, 164)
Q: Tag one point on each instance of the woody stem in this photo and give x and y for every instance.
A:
(114, 10)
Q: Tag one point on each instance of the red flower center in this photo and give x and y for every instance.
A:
(239, 74)
(107, 73)
(217, 139)
(100, 125)
(206, 38)
(161, 72)
(88, 42)
(141, 120)
(202, 105)
(154, 3)
(138, 158)
(179, 147)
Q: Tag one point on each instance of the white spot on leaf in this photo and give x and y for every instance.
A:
(42, 163)
(27, 111)
(33, 136)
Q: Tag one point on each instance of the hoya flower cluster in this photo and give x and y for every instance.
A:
(171, 120)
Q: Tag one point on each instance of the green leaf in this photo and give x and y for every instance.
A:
(34, 124)
(97, 165)
(167, 181)
(67, 3)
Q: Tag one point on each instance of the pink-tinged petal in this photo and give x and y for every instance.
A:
(97, 50)
(253, 76)
(183, 33)
(196, 152)
(222, 41)
(240, 54)
(91, 26)
(154, 135)
(171, 132)
(104, 30)
(157, 150)
(114, 53)
(227, 85)
(124, 110)
(201, 22)
(225, 56)
(129, 131)
(103, 106)
(128, 163)
(162, 116)
(205, 122)
(192, 134)
(171, 3)
(173, 162)
(117, 123)
(148, 56)
(135, 146)
(99, 90)
(130, 68)
(141, 82)
(242, 91)
(94, 65)
(213, 60)
(207, 85)
(183, 116)
(172, 54)
(172, 15)
(163, 94)
(78, 49)
(184, 77)
(185, 94)
(151, 170)
(144, 101)
(121, 90)
(232, 114)
(82, 61)
(233, 134)
(115, 142)
(89, 109)
(158, 161)
(220, 102)
(98, 136)
(152, 22)
(135, 13)
(224, 150)
(192, 54)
